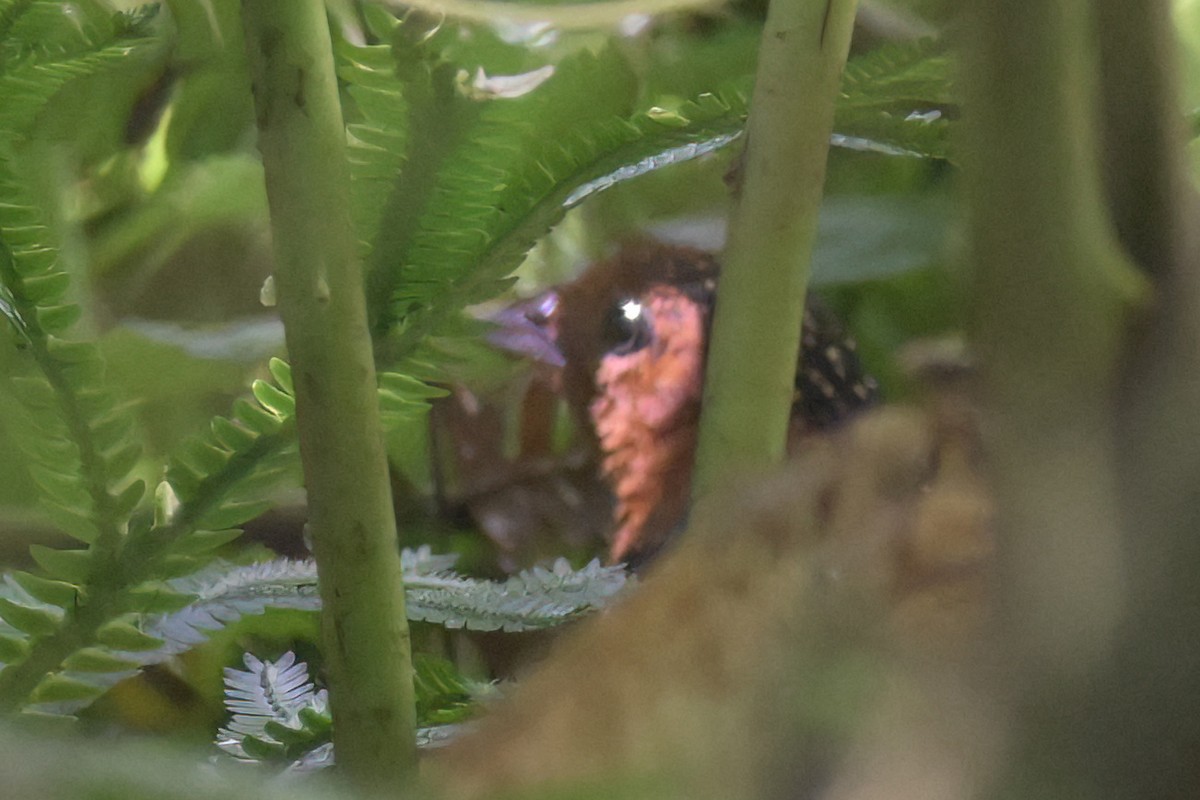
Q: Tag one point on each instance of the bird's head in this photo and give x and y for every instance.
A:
(627, 342)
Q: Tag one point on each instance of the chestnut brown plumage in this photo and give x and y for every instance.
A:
(628, 339)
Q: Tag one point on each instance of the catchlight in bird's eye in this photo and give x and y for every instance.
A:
(626, 328)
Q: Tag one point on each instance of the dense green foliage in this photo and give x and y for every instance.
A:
(132, 222)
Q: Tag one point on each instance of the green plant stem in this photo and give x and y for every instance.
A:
(1048, 296)
(1143, 130)
(756, 329)
(1156, 212)
(320, 293)
(1049, 300)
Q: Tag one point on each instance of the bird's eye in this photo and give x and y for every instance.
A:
(626, 328)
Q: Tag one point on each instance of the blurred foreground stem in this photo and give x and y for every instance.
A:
(1049, 296)
(1050, 305)
(765, 268)
(319, 285)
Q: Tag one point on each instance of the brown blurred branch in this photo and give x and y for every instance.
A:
(748, 663)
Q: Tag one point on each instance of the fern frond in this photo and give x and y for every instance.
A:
(36, 30)
(220, 594)
(278, 715)
(512, 179)
(224, 478)
(377, 142)
(10, 12)
(506, 184)
(913, 76)
(275, 709)
(92, 599)
(897, 99)
(531, 600)
(534, 599)
(443, 695)
(83, 475)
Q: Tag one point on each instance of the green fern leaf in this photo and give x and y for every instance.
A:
(36, 30)
(199, 542)
(898, 98)
(278, 715)
(58, 688)
(155, 598)
(27, 619)
(13, 648)
(443, 695)
(56, 593)
(84, 473)
(377, 142)
(512, 179)
(10, 12)
(72, 566)
(273, 399)
(911, 76)
(121, 635)
(94, 659)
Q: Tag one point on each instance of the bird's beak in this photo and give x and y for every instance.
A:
(527, 328)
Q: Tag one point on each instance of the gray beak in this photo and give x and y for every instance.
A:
(527, 328)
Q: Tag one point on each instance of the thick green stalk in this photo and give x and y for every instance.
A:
(1049, 310)
(1156, 212)
(1048, 296)
(756, 330)
(319, 287)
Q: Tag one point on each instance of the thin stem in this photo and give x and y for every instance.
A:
(756, 329)
(320, 291)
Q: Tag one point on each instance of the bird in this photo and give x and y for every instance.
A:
(625, 345)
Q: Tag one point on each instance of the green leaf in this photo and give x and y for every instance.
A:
(256, 418)
(34, 621)
(176, 566)
(46, 289)
(407, 386)
(199, 542)
(58, 688)
(93, 659)
(72, 566)
(120, 635)
(442, 694)
(35, 393)
(510, 181)
(318, 722)
(281, 371)
(261, 750)
(56, 319)
(13, 649)
(875, 237)
(128, 499)
(281, 403)
(123, 458)
(156, 598)
(72, 352)
(56, 593)
(230, 515)
(64, 489)
(288, 737)
(203, 457)
(77, 524)
(232, 435)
